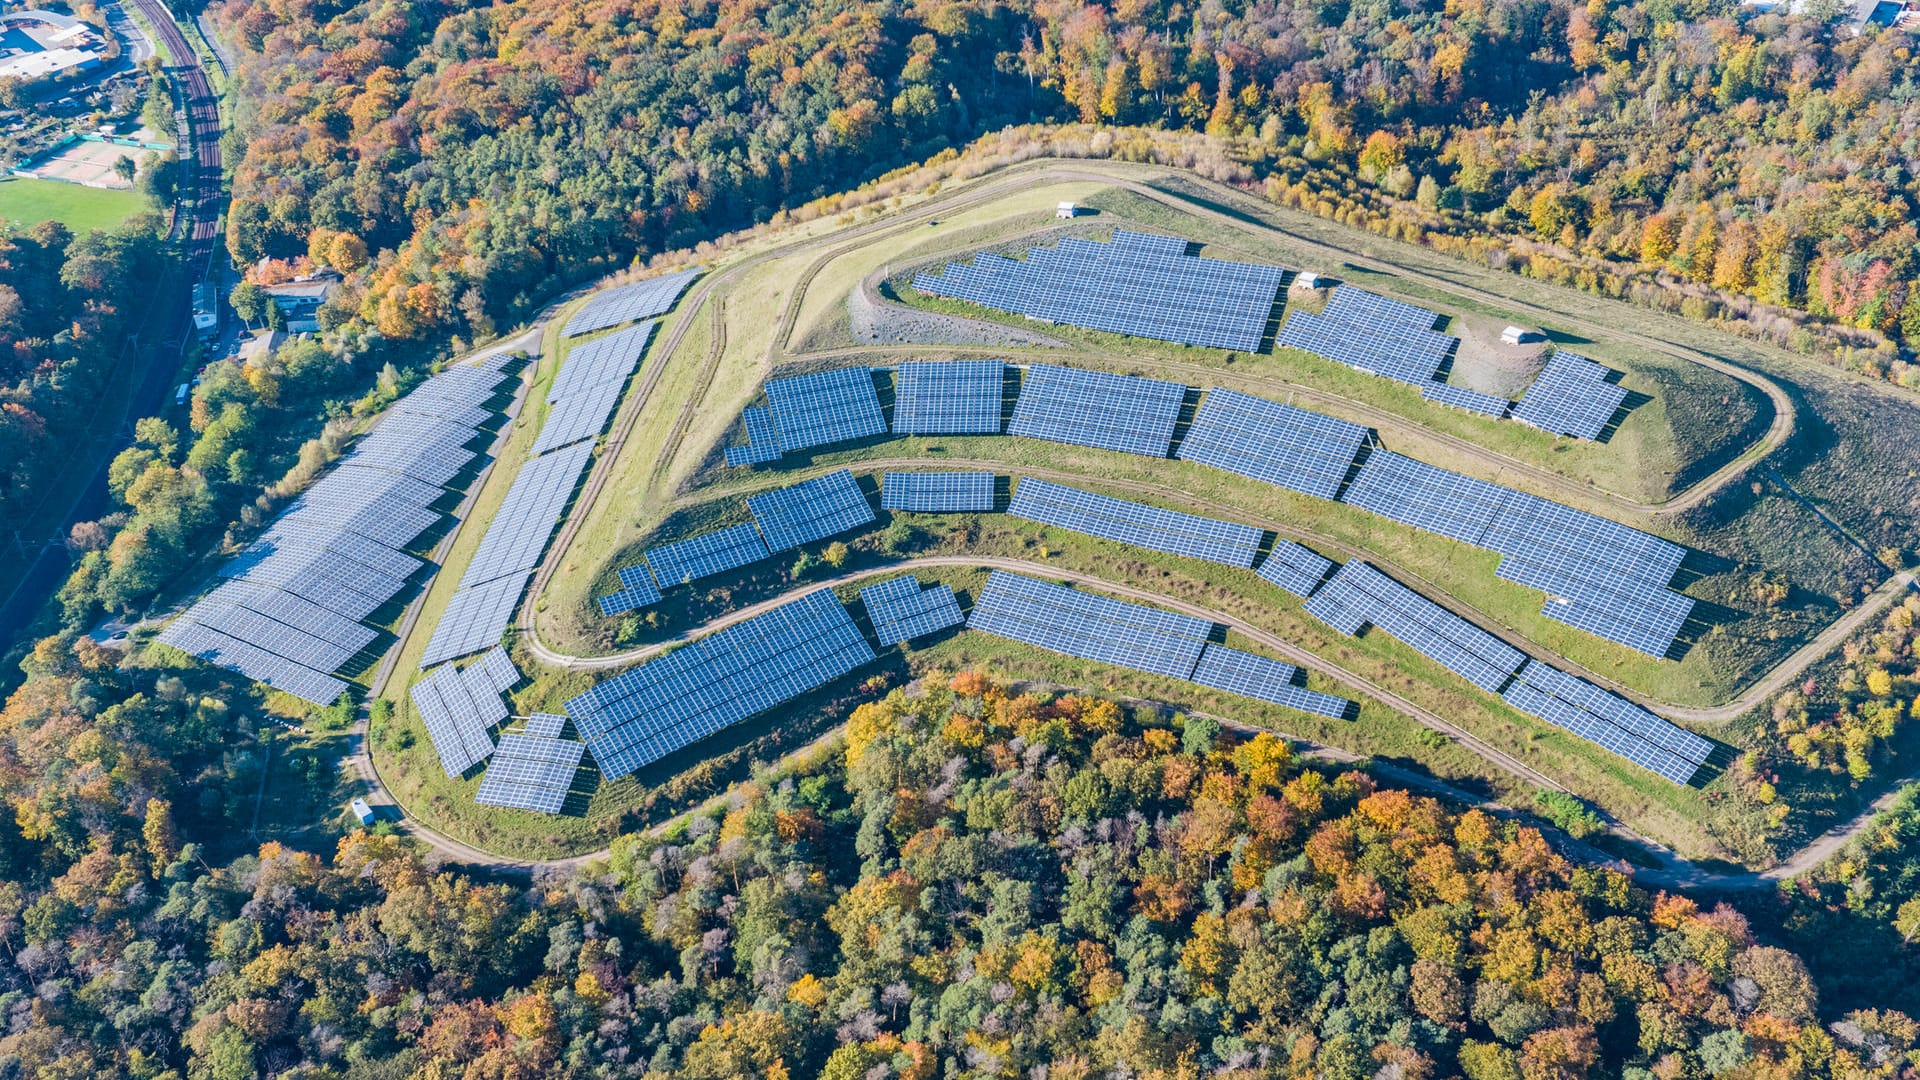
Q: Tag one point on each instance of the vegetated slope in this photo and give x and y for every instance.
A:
(977, 883)
(66, 303)
(494, 150)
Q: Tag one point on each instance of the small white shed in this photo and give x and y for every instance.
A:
(362, 811)
(1064, 210)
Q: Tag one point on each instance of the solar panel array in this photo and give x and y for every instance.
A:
(1358, 594)
(937, 493)
(637, 590)
(1600, 576)
(583, 416)
(375, 557)
(1095, 627)
(1294, 568)
(252, 661)
(289, 612)
(1266, 440)
(1372, 334)
(705, 555)
(1226, 542)
(763, 443)
(390, 523)
(810, 510)
(430, 449)
(1610, 721)
(1138, 284)
(1089, 626)
(825, 407)
(495, 671)
(307, 649)
(625, 303)
(673, 701)
(519, 531)
(1263, 679)
(954, 397)
(475, 618)
(901, 610)
(1472, 401)
(610, 359)
(531, 772)
(293, 610)
(1094, 408)
(545, 725)
(1571, 396)
(358, 486)
(333, 581)
(460, 709)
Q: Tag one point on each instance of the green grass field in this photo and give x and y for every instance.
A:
(27, 202)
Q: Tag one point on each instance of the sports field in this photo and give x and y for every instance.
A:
(27, 202)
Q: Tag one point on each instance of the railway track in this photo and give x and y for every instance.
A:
(197, 226)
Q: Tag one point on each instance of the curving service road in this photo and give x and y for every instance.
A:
(1670, 869)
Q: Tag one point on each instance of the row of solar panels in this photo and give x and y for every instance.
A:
(289, 610)
(1140, 285)
(533, 769)
(630, 303)
(1356, 596)
(581, 399)
(1100, 628)
(1293, 448)
(1599, 576)
(649, 712)
(1137, 284)
(783, 520)
(958, 397)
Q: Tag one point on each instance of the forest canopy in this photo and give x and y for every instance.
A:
(484, 154)
(976, 881)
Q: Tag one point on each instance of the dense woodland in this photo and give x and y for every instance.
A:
(67, 304)
(484, 153)
(975, 882)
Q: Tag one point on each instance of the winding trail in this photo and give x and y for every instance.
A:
(1670, 871)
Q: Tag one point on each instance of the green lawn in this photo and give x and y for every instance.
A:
(28, 202)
